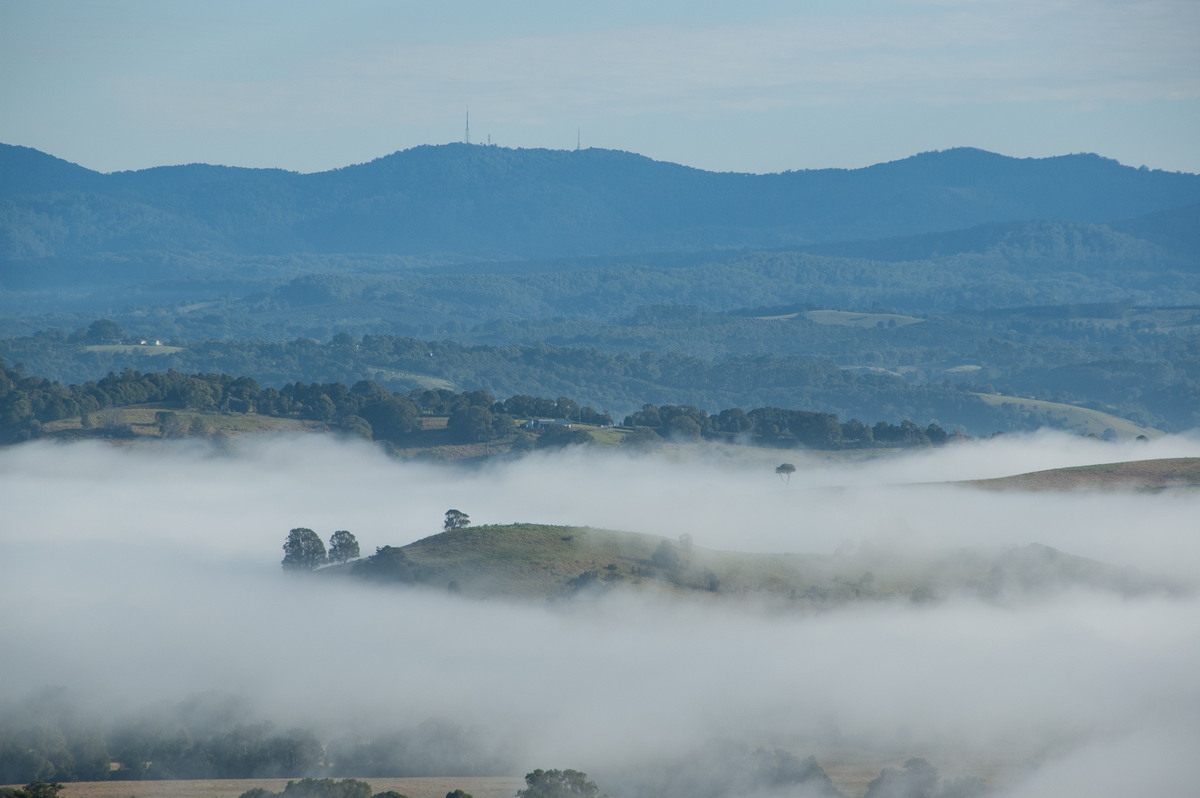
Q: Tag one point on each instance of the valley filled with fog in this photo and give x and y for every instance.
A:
(140, 576)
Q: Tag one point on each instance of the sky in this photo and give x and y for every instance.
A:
(748, 86)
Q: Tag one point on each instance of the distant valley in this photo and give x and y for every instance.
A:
(906, 290)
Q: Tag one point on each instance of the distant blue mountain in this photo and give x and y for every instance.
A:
(490, 202)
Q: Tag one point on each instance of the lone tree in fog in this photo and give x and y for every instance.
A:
(456, 519)
(303, 550)
(558, 784)
(343, 546)
(785, 470)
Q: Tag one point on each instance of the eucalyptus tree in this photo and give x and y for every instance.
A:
(303, 550)
(343, 546)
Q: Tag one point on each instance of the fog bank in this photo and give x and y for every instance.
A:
(145, 574)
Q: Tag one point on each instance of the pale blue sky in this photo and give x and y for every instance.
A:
(729, 86)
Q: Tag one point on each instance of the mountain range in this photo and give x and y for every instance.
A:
(476, 201)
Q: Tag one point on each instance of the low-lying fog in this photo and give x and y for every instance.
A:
(146, 574)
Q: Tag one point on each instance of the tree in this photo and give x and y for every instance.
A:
(785, 470)
(560, 437)
(316, 788)
(358, 426)
(669, 556)
(303, 550)
(459, 794)
(198, 428)
(558, 784)
(919, 779)
(343, 546)
(471, 424)
(683, 428)
(733, 420)
(392, 417)
(35, 789)
(389, 564)
(641, 438)
(170, 424)
(456, 519)
(104, 331)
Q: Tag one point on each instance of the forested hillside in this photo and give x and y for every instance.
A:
(495, 202)
(1139, 363)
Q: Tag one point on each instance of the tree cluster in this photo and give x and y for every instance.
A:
(778, 427)
(35, 789)
(317, 788)
(919, 779)
(389, 564)
(558, 784)
(366, 408)
(303, 549)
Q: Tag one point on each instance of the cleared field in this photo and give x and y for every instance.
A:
(1078, 419)
(143, 421)
(487, 787)
(1156, 319)
(605, 436)
(1140, 475)
(842, 318)
(130, 349)
(424, 380)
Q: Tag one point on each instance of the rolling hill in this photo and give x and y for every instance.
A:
(540, 562)
(1139, 475)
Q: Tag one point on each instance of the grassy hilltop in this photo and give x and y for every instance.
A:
(527, 561)
(540, 562)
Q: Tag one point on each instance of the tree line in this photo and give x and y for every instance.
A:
(776, 426)
(369, 410)
(49, 737)
(1142, 366)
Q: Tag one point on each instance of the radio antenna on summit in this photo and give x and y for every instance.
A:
(467, 134)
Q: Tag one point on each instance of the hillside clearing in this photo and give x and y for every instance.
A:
(130, 349)
(1082, 420)
(842, 318)
(1138, 475)
(142, 421)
